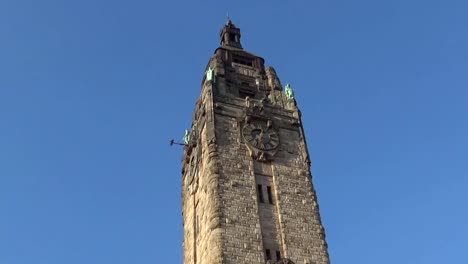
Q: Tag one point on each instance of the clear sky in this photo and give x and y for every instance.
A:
(92, 91)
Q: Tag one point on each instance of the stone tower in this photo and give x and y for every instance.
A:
(247, 192)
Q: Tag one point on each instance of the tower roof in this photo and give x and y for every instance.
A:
(229, 23)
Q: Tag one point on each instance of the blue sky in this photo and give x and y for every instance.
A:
(92, 91)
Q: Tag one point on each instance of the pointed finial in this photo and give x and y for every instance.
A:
(228, 21)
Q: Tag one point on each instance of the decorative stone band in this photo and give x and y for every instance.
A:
(281, 261)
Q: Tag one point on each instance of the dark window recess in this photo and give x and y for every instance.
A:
(270, 197)
(243, 61)
(244, 93)
(267, 254)
(260, 193)
(278, 255)
(232, 37)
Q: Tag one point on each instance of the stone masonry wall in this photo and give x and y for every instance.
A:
(224, 223)
(242, 241)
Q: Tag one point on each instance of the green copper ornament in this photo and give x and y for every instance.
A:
(210, 74)
(187, 136)
(289, 91)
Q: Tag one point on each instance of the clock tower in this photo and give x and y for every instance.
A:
(247, 192)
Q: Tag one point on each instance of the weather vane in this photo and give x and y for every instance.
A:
(172, 142)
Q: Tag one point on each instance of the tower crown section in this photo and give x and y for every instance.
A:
(230, 35)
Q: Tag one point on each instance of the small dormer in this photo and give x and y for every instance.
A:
(230, 35)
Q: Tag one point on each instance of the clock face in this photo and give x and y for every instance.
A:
(259, 136)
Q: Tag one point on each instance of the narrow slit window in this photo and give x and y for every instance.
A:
(270, 196)
(278, 255)
(268, 254)
(196, 222)
(260, 193)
